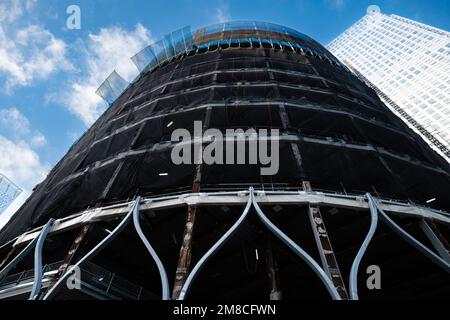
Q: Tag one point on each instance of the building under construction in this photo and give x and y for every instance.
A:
(355, 186)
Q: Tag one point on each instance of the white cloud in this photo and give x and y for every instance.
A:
(110, 49)
(21, 163)
(15, 125)
(29, 4)
(30, 53)
(18, 161)
(222, 14)
(336, 4)
(13, 120)
(10, 10)
(38, 140)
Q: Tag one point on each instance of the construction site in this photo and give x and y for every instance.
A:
(355, 187)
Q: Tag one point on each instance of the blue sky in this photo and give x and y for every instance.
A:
(48, 74)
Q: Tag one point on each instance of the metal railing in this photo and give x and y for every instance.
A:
(92, 275)
(26, 275)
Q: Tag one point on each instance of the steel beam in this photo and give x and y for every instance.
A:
(436, 239)
(73, 249)
(19, 257)
(326, 253)
(350, 202)
(413, 241)
(44, 231)
(298, 251)
(284, 137)
(70, 255)
(310, 106)
(184, 260)
(119, 228)
(272, 272)
(216, 247)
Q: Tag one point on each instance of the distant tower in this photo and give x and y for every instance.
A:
(409, 62)
(8, 192)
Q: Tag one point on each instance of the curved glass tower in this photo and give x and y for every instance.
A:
(342, 156)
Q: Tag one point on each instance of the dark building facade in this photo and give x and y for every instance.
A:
(338, 143)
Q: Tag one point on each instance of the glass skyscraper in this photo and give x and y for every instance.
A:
(8, 192)
(407, 61)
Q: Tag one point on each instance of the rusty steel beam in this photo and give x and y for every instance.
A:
(297, 250)
(272, 273)
(324, 246)
(184, 259)
(69, 257)
(73, 250)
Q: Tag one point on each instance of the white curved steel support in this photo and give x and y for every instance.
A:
(50, 294)
(298, 251)
(37, 282)
(413, 241)
(200, 264)
(353, 282)
(159, 264)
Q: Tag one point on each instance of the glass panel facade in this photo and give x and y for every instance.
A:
(8, 192)
(408, 61)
